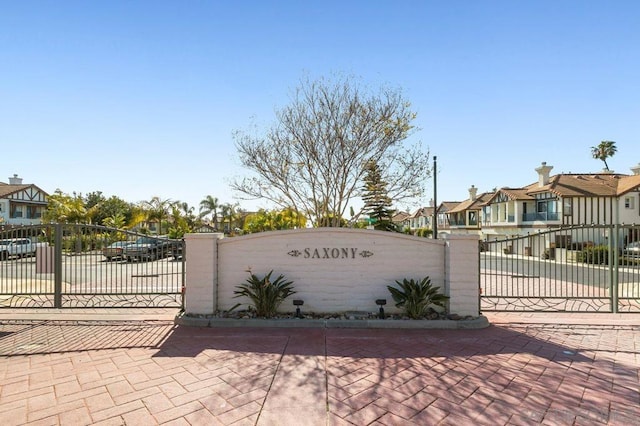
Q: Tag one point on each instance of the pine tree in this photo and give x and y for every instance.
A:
(377, 203)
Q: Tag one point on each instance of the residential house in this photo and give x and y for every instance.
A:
(466, 217)
(21, 204)
(443, 217)
(562, 200)
(402, 220)
(421, 219)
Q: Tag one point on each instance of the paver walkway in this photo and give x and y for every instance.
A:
(521, 370)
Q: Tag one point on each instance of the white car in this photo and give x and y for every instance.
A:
(632, 249)
(18, 247)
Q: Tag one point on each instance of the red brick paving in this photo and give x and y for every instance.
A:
(524, 369)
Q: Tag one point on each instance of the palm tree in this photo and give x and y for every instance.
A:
(210, 205)
(603, 151)
(65, 208)
(226, 212)
(157, 210)
(116, 221)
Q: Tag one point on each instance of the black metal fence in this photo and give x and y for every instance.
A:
(577, 269)
(88, 266)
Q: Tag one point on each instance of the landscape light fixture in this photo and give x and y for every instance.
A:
(381, 303)
(297, 303)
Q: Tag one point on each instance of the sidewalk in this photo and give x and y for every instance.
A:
(105, 369)
(94, 314)
(595, 319)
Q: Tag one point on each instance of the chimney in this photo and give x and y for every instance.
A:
(636, 169)
(543, 174)
(473, 191)
(15, 180)
(431, 202)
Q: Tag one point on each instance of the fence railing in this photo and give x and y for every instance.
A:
(89, 266)
(590, 268)
(534, 217)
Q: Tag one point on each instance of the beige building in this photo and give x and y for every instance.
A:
(21, 204)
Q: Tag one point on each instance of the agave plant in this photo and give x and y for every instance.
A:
(416, 297)
(265, 294)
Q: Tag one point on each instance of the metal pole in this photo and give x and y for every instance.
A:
(435, 197)
(57, 269)
(614, 259)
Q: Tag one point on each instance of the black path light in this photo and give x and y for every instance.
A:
(297, 303)
(381, 303)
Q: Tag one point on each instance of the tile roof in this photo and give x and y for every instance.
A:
(446, 206)
(7, 189)
(577, 185)
(628, 183)
(423, 211)
(476, 204)
(400, 216)
(580, 185)
(512, 194)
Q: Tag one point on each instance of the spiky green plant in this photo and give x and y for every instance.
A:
(416, 297)
(265, 294)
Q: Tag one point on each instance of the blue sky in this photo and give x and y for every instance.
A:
(140, 99)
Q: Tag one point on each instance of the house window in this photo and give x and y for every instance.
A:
(473, 219)
(486, 214)
(567, 207)
(547, 210)
(542, 206)
(628, 203)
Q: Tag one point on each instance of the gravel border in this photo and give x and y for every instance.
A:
(476, 323)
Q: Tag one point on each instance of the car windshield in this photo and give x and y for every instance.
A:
(145, 240)
(634, 245)
(149, 240)
(5, 243)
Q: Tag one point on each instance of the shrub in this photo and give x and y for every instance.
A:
(265, 294)
(424, 232)
(417, 297)
(595, 255)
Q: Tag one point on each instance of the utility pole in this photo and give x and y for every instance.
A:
(435, 197)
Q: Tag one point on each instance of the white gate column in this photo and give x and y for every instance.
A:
(201, 273)
(462, 274)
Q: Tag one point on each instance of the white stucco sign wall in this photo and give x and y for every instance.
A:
(333, 269)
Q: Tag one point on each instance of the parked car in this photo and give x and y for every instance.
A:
(18, 247)
(632, 249)
(147, 248)
(177, 249)
(115, 251)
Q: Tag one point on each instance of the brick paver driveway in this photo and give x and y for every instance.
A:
(153, 372)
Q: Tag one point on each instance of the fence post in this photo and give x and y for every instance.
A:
(57, 269)
(614, 261)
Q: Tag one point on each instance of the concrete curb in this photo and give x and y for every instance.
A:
(476, 323)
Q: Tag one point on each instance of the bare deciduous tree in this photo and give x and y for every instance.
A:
(313, 159)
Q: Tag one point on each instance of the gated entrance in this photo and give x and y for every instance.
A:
(574, 269)
(88, 266)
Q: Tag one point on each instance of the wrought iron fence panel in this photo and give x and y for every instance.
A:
(628, 276)
(578, 269)
(91, 266)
